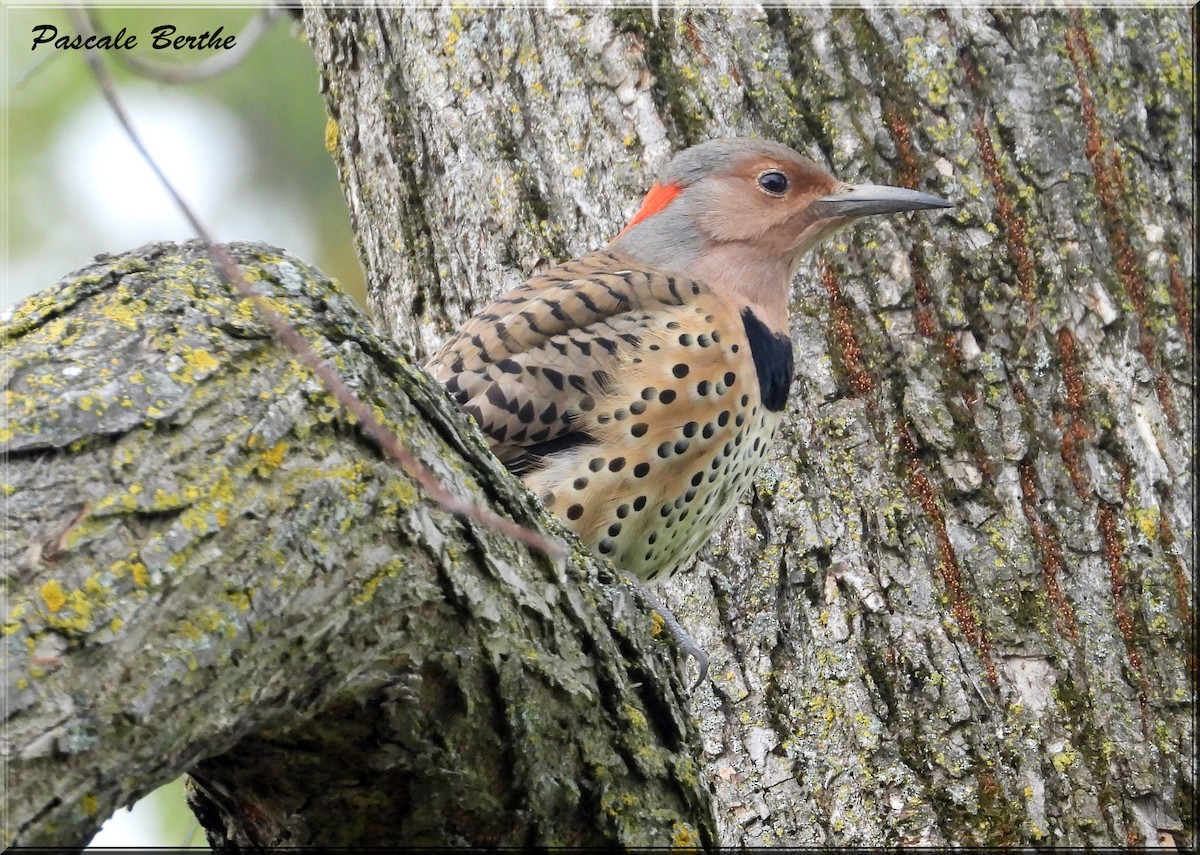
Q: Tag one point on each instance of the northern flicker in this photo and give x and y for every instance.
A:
(636, 389)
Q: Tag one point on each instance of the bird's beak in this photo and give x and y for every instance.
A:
(859, 200)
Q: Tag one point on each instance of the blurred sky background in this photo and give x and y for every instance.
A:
(246, 149)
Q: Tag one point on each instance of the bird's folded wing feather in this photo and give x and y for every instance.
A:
(534, 361)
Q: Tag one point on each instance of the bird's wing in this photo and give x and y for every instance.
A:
(530, 364)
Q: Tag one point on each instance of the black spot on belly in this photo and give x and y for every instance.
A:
(772, 354)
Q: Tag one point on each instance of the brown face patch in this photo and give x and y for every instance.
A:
(737, 208)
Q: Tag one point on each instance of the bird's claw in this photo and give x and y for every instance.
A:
(686, 644)
(690, 648)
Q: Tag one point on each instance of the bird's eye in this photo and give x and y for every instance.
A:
(773, 182)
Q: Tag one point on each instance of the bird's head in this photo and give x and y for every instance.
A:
(739, 214)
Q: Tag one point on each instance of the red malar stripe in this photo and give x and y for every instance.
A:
(657, 199)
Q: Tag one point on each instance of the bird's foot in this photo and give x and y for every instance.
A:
(686, 644)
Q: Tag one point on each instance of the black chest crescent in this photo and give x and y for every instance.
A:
(772, 354)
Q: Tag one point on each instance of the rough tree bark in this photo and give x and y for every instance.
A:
(209, 569)
(958, 606)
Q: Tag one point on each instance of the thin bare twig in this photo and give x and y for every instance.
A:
(228, 271)
(205, 69)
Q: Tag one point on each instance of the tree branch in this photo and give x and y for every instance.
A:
(215, 571)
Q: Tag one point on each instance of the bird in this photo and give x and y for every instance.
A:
(636, 389)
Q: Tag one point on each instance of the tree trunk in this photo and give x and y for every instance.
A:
(210, 569)
(958, 606)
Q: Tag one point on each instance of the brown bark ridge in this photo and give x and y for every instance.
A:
(209, 568)
(958, 607)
